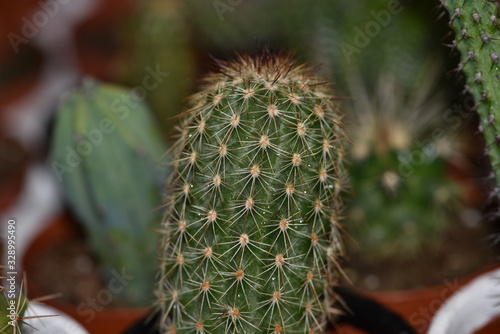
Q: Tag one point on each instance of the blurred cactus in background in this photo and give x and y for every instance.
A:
(377, 52)
(161, 44)
(403, 198)
(106, 152)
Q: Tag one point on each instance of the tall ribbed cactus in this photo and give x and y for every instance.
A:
(252, 234)
(478, 39)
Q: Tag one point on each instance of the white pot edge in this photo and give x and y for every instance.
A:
(470, 308)
(56, 322)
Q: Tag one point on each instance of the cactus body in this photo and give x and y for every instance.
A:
(11, 313)
(251, 230)
(477, 37)
(106, 152)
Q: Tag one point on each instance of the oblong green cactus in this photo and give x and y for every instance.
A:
(251, 230)
(106, 152)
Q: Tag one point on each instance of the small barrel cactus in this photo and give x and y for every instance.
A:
(106, 152)
(251, 230)
(477, 34)
(403, 198)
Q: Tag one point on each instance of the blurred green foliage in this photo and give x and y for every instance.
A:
(159, 39)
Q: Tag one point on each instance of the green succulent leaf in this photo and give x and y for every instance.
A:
(107, 153)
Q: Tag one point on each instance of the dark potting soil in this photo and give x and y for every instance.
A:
(462, 250)
(68, 269)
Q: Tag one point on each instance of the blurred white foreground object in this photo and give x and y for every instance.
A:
(471, 307)
(46, 319)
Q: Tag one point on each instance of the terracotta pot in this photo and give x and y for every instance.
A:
(106, 321)
(418, 306)
(20, 59)
(13, 16)
(10, 190)
(13, 164)
(19, 73)
(491, 328)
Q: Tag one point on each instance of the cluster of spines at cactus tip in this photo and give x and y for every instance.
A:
(477, 37)
(251, 228)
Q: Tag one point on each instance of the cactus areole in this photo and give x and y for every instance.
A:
(251, 230)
